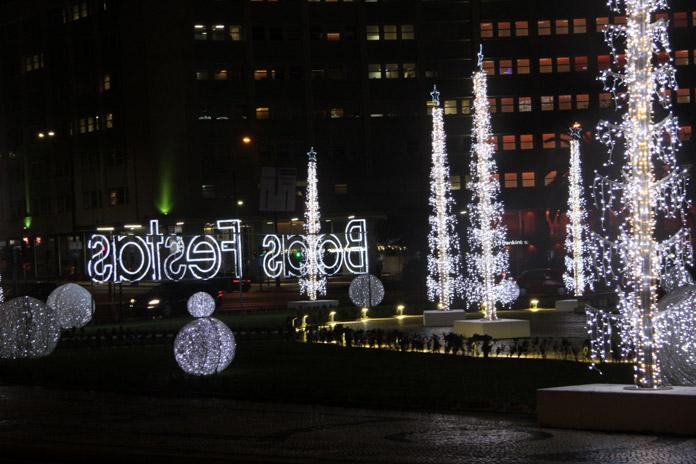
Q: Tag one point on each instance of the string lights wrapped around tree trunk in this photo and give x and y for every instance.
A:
(578, 275)
(444, 281)
(487, 259)
(631, 255)
(312, 283)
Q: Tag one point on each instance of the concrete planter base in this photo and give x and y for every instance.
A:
(498, 329)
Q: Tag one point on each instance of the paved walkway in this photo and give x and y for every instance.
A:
(39, 425)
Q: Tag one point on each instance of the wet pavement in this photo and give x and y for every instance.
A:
(40, 425)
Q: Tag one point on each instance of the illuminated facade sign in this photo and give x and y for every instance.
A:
(283, 253)
(154, 256)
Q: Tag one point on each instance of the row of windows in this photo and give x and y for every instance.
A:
(565, 26)
(33, 62)
(233, 32)
(391, 71)
(507, 67)
(390, 32)
(223, 72)
(94, 123)
(75, 12)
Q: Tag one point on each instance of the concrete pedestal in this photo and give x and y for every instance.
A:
(567, 305)
(611, 407)
(498, 329)
(442, 318)
(316, 304)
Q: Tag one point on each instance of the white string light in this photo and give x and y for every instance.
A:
(578, 268)
(312, 282)
(631, 257)
(444, 281)
(487, 260)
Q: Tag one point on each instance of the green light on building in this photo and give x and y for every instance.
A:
(27, 222)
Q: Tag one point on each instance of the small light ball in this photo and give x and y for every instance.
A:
(28, 329)
(366, 290)
(508, 291)
(72, 304)
(200, 304)
(205, 346)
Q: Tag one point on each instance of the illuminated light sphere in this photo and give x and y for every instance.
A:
(200, 304)
(366, 290)
(677, 322)
(205, 346)
(28, 329)
(72, 304)
(508, 291)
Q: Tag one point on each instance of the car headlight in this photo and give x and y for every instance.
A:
(153, 302)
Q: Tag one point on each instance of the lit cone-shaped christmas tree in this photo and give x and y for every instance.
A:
(651, 185)
(312, 282)
(487, 259)
(578, 275)
(444, 280)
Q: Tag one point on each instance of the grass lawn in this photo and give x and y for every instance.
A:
(284, 371)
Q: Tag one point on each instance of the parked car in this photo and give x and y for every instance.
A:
(541, 283)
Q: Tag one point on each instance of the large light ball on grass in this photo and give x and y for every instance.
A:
(366, 290)
(28, 329)
(204, 347)
(200, 304)
(72, 304)
(508, 291)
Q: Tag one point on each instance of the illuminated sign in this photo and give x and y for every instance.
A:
(283, 253)
(154, 256)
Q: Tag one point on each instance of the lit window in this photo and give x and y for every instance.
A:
(106, 82)
(521, 28)
(605, 100)
(685, 133)
(390, 32)
(681, 57)
(680, 19)
(200, 32)
(523, 66)
(548, 140)
(109, 120)
(493, 106)
(545, 65)
(622, 19)
(409, 70)
(263, 112)
(505, 67)
(407, 32)
(547, 103)
(550, 177)
(526, 142)
(455, 182)
(90, 124)
(544, 27)
(510, 179)
(218, 32)
(486, 30)
(565, 140)
(372, 32)
(601, 23)
(336, 113)
(504, 29)
(333, 36)
(603, 62)
(220, 75)
(83, 125)
(693, 18)
(579, 26)
(525, 104)
(562, 64)
(561, 26)
(509, 142)
(450, 107)
(235, 32)
(391, 71)
(580, 63)
(528, 179)
(565, 102)
(466, 106)
(507, 105)
(493, 142)
(260, 74)
(489, 67)
(582, 101)
(374, 71)
(340, 189)
(683, 95)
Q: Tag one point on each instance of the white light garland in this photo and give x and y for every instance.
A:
(312, 282)
(578, 274)
(631, 256)
(487, 259)
(444, 281)
(2, 292)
